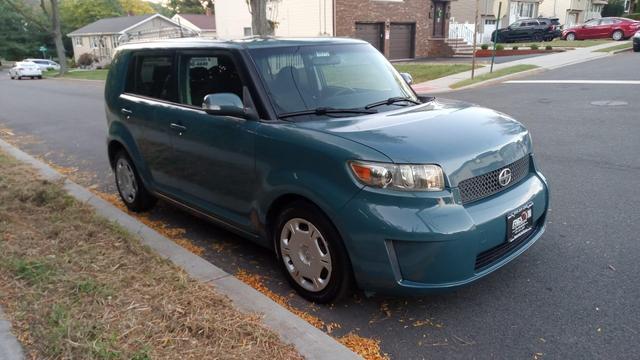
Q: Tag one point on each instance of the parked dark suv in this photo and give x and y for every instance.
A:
(538, 29)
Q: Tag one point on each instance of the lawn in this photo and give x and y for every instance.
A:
(493, 75)
(626, 45)
(76, 286)
(557, 43)
(426, 72)
(81, 74)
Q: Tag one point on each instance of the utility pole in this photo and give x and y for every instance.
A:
(495, 37)
(475, 39)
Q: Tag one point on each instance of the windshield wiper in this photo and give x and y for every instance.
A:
(325, 111)
(391, 100)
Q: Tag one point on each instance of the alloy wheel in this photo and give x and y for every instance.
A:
(126, 179)
(617, 35)
(571, 37)
(305, 254)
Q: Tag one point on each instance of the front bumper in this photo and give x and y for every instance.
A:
(415, 243)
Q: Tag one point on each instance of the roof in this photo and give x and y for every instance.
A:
(247, 43)
(112, 25)
(202, 22)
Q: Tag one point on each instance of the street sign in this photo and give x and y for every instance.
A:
(42, 49)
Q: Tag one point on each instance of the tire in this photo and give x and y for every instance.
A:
(617, 35)
(130, 187)
(315, 262)
(537, 38)
(40, 77)
(570, 37)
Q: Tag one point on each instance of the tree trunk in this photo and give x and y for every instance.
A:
(57, 36)
(259, 23)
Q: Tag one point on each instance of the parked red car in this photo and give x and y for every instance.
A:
(608, 27)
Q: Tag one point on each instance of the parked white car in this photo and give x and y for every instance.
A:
(25, 69)
(44, 64)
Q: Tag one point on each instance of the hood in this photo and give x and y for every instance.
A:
(464, 139)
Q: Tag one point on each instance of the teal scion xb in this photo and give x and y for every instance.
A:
(320, 150)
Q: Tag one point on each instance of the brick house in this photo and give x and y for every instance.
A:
(400, 29)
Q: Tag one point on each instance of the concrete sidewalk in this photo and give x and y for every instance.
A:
(10, 348)
(544, 62)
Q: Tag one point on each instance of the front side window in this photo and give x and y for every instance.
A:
(152, 76)
(301, 78)
(593, 22)
(205, 74)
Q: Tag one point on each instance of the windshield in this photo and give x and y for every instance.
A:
(301, 78)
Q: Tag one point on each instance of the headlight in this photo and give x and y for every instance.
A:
(399, 177)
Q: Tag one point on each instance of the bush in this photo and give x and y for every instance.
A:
(514, 47)
(86, 59)
(635, 16)
(534, 47)
(613, 8)
(499, 47)
(484, 46)
(548, 47)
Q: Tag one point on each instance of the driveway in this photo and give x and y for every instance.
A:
(574, 294)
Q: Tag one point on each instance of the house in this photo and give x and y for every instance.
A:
(101, 37)
(572, 12)
(400, 29)
(202, 24)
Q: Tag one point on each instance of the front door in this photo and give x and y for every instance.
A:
(438, 19)
(213, 155)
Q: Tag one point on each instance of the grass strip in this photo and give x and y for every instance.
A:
(100, 74)
(627, 45)
(557, 43)
(493, 75)
(76, 286)
(426, 72)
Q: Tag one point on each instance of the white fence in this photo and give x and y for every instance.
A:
(465, 32)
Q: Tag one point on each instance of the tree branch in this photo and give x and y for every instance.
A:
(28, 17)
(44, 8)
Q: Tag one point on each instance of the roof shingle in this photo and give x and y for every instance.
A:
(203, 22)
(111, 25)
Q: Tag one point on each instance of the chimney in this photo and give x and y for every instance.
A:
(209, 11)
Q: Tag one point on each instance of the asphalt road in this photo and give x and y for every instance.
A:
(575, 294)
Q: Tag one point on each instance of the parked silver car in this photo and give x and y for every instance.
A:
(45, 64)
(25, 69)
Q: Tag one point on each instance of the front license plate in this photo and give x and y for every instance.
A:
(520, 222)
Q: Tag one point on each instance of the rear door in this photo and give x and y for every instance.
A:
(150, 85)
(213, 155)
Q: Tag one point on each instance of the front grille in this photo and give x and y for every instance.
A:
(484, 185)
(487, 257)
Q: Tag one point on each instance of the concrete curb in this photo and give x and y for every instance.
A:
(501, 79)
(310, 342)
(10, 348)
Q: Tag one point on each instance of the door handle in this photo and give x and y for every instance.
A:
(177, 127)
(126, 111)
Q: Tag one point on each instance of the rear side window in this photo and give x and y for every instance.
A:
(532, 23)
(207, 73)
(152, 76)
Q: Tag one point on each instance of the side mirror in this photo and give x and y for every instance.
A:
(227, 104)
(407, 78)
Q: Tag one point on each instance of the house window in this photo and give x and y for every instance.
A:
(78, 41)
(247, 31)
(114, 41)
(93, 41)
(526, 10)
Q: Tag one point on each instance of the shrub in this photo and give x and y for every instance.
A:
(534, 47)
(515, 47)
(635, 16)
(86, 59)
(548, 47)
(613, 8)
(484, 46)
(499, 47)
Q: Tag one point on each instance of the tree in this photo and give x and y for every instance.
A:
(21, 38)
(51, 26)
(260, 25)
(78, 13)
(188, 6)
(136, 7)
(613, 8)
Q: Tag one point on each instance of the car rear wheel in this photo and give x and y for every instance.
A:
(617, 35)
(311, 253)
(131, 189)
(571, 37)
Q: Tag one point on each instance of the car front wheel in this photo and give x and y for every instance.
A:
(617, 35)
(311, 253)
(571, 36)
(131, 189)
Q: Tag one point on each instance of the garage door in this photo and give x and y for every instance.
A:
(371, 33)
(401, 41)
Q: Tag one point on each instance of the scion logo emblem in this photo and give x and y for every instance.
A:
(505, 177)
